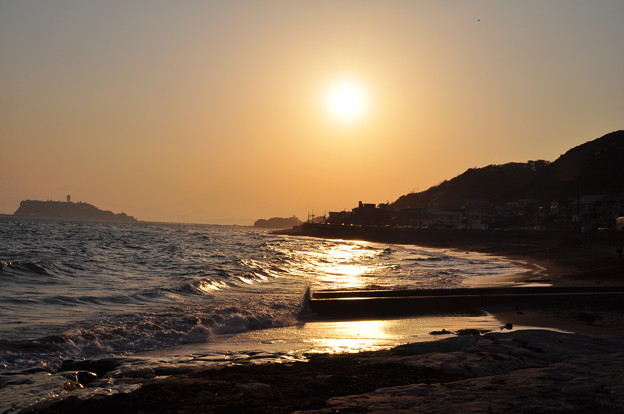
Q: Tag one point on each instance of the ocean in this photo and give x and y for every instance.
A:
(87, 290)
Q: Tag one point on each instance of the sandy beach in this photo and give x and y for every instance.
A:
(480, 366)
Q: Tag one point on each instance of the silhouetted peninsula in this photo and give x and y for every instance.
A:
(68, 210)
(278, 223)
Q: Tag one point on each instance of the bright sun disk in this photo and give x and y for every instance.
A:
(346, 101)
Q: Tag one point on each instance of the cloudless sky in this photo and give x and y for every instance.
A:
(211, 111)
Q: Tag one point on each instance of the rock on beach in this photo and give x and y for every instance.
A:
(516, 372)
(525, 371)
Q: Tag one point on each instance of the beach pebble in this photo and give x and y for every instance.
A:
(81, 378)
(471, 332)
(97, 366)
(85, 377)
(442, 332)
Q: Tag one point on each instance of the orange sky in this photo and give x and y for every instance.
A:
(210, 112)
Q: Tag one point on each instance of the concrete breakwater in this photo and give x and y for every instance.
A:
(362, 303)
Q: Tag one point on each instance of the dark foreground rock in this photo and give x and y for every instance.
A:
(518, 372)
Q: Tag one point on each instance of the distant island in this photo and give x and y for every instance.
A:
(278, 223)
(68, 210)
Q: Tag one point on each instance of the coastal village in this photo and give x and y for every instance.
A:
(581, 191)
(586, 213)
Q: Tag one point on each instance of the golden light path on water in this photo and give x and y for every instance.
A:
(348, 336)
(339, 269)
(347, 265)
(352, 336)
(339, 336)
(341, 264)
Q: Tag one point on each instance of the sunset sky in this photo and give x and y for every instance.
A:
(228, 111)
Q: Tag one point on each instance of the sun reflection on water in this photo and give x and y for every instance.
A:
(344, 264)
(352, 336)
(369, 335)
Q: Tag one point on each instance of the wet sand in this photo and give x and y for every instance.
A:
(577, 369)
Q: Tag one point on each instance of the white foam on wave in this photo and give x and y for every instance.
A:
(126, 334)
(121, 290)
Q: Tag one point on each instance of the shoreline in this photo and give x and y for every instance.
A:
(557, 259)
(566, 258)
(515, 371)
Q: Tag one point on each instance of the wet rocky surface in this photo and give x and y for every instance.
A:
(520, 371)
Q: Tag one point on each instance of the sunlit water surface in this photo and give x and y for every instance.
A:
(77, 290)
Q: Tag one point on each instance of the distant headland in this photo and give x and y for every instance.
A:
(68, 210)
(278, 223)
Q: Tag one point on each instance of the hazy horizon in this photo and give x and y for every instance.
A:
(224, 113)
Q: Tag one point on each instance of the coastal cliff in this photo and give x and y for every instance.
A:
(68, 210)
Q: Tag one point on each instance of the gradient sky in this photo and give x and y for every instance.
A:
(210, 112)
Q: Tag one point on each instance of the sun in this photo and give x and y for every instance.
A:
(346, 101)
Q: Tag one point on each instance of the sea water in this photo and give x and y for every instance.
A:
(86, 290)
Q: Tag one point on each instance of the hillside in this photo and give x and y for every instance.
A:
(591, 168)
(68, 210)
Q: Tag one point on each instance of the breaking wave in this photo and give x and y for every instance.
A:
(84, 289)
